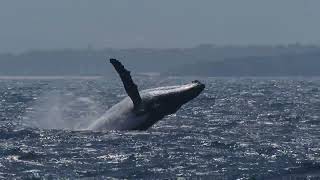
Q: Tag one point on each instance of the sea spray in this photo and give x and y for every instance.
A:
(62, 110)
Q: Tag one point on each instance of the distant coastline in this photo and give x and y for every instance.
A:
(203, 60)
(48, 77)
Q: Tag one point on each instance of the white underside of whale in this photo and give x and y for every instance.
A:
(118, 117)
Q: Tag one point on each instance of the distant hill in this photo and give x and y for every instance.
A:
(209, 60)
(306, 64)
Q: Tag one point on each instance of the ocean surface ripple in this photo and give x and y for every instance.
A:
(265, 128)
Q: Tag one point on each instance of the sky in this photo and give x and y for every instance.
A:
(57, 24)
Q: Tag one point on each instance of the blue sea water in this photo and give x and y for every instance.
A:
(258, 128)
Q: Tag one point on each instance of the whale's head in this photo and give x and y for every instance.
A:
(163, 101)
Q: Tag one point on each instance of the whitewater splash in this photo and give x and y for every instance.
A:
(57, 110)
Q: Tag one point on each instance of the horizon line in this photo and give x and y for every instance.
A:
(202, 45)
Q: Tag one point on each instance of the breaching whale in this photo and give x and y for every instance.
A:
(140, 110)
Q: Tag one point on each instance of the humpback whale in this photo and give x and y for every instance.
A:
(141, 109)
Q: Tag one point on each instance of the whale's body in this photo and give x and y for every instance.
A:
(140, 110)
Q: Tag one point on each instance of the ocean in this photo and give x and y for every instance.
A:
(238, 128)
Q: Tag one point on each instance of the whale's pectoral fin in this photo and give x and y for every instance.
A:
(130, 87)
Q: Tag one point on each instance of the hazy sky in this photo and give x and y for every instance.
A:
(44, 24)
